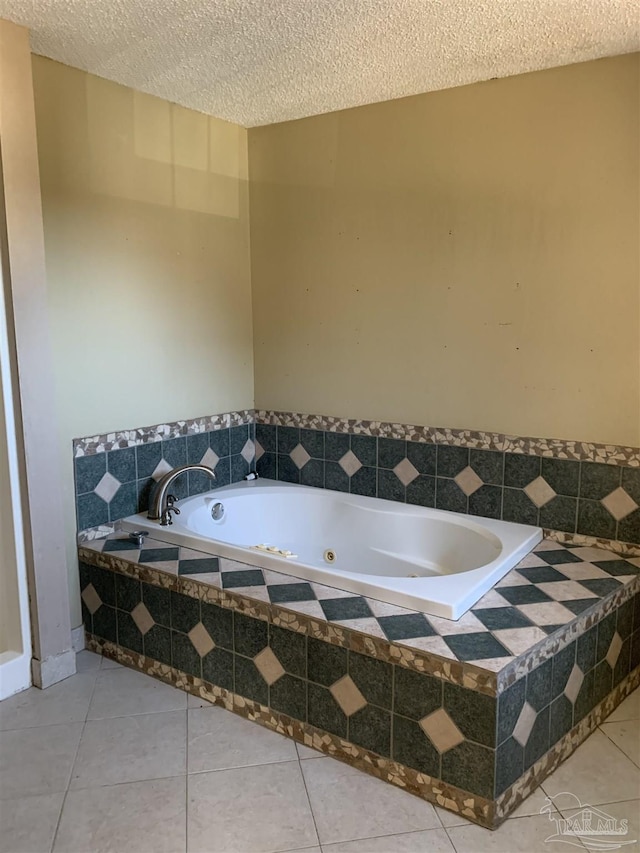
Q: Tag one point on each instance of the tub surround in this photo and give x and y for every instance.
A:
(474, 735)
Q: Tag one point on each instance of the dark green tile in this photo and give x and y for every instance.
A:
(601, 586)
(92, 511)
(523, 594)
(336, 444)
(370, 727)
(391, 451)
(622, 666)
(486, 501)
(223, 473)
(586, 651)
(158, 602)
(217, 668)
(635, 650)
(122, 464)
(422, 491)
(451, 460)
(413, 748)
(488, 465)
(129, 634)
(517, 507)
(289, 696)
(249, 635)
(335, 477)
(563, 475)
(404, 627)
(323, 711)
(248, 681)
(597, 480)
(266, 466)
(266, 435)
(144, 488)
(472, 712)
(584, 700)
(606, 630)
(373, 678)
(602, 681)
(325, 663)
(313, 442)
(128, 594)
(287, 438)
(238, 437)
(219, 623)
(479, 646)
(422, 456)
(365, 447)
(449, 496)
(207, 565)
(560, 719)
(198, 483)
(288, 471)
(148, 456)
(243, 577)
(539, 692)
(416, 694)
(157, 644)
(563, 662)
(184, 656)
(341, 609)
(104, 623)
(560, 514)
(197, 446)
(520, 469)
(538, 742)
(389, 486)
(104, 583)
(624, 619)
(312, 474)
(290, 648)
(239, 468)
(470, 767)
(219, 442)
(594, 520)
(510, 704)
(616, 568)
(364, 482)
(185, 612)
(174, 451)
(631, 482)
(509, 764)
(84, 571)
(89, 471)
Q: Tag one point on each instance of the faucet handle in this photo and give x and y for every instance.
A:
(138, 537)
(171, 499)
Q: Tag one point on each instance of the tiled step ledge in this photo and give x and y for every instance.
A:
(487, 813)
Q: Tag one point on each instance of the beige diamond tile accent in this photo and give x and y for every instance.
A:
(201, 639)
(619, 503)
(350, 463)
(347, 695)
(91, 598)
(406, 472)
(468, 481)
(260, 451)
(210, 458)
(524, 725)
(299, 456)
(247, 451)
(441, 730)
(539, 492)
(161, 469)
(574, 683)
(614, 650)
(107, 487)
(143, 619)
(268, 665)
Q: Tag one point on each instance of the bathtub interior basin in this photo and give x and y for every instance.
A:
(425, 559)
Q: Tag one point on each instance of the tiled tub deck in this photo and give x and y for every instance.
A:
(471, 715)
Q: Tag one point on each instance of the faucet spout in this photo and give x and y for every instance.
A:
(161, 502)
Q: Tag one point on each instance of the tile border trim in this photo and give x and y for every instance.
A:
(549, 447)
(121, 439)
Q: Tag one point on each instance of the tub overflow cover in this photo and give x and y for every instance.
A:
(330, 556)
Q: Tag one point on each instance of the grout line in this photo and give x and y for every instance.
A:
(306, 790)
(617, 746)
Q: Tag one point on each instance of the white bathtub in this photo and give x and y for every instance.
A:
(426, 559)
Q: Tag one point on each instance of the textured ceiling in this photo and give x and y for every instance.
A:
(262, 61)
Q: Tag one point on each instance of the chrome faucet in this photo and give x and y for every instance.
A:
(161, 503)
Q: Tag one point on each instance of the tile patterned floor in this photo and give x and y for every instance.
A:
(111, 760)
(548, 589)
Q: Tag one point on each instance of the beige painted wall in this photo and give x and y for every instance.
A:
(147, 251)
(466, 258)
(10, 632)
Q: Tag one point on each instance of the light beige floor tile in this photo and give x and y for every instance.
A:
(130, 749)
(107, 663)
(597, 773)
(65, 702)
(258, 809)
(197, 702)
(133, 818)
(87, 662)
(626, 811)
(348, 804)
(626, 735)
(531, 806)
(29, 823)
(427, 841)
(120, 692)
(37, 760)
(305, 752)
(218, 740)
(518, 835)
(627, 710)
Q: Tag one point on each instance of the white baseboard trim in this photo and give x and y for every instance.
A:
(15, 673)
(77, 639)
(53, 669)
